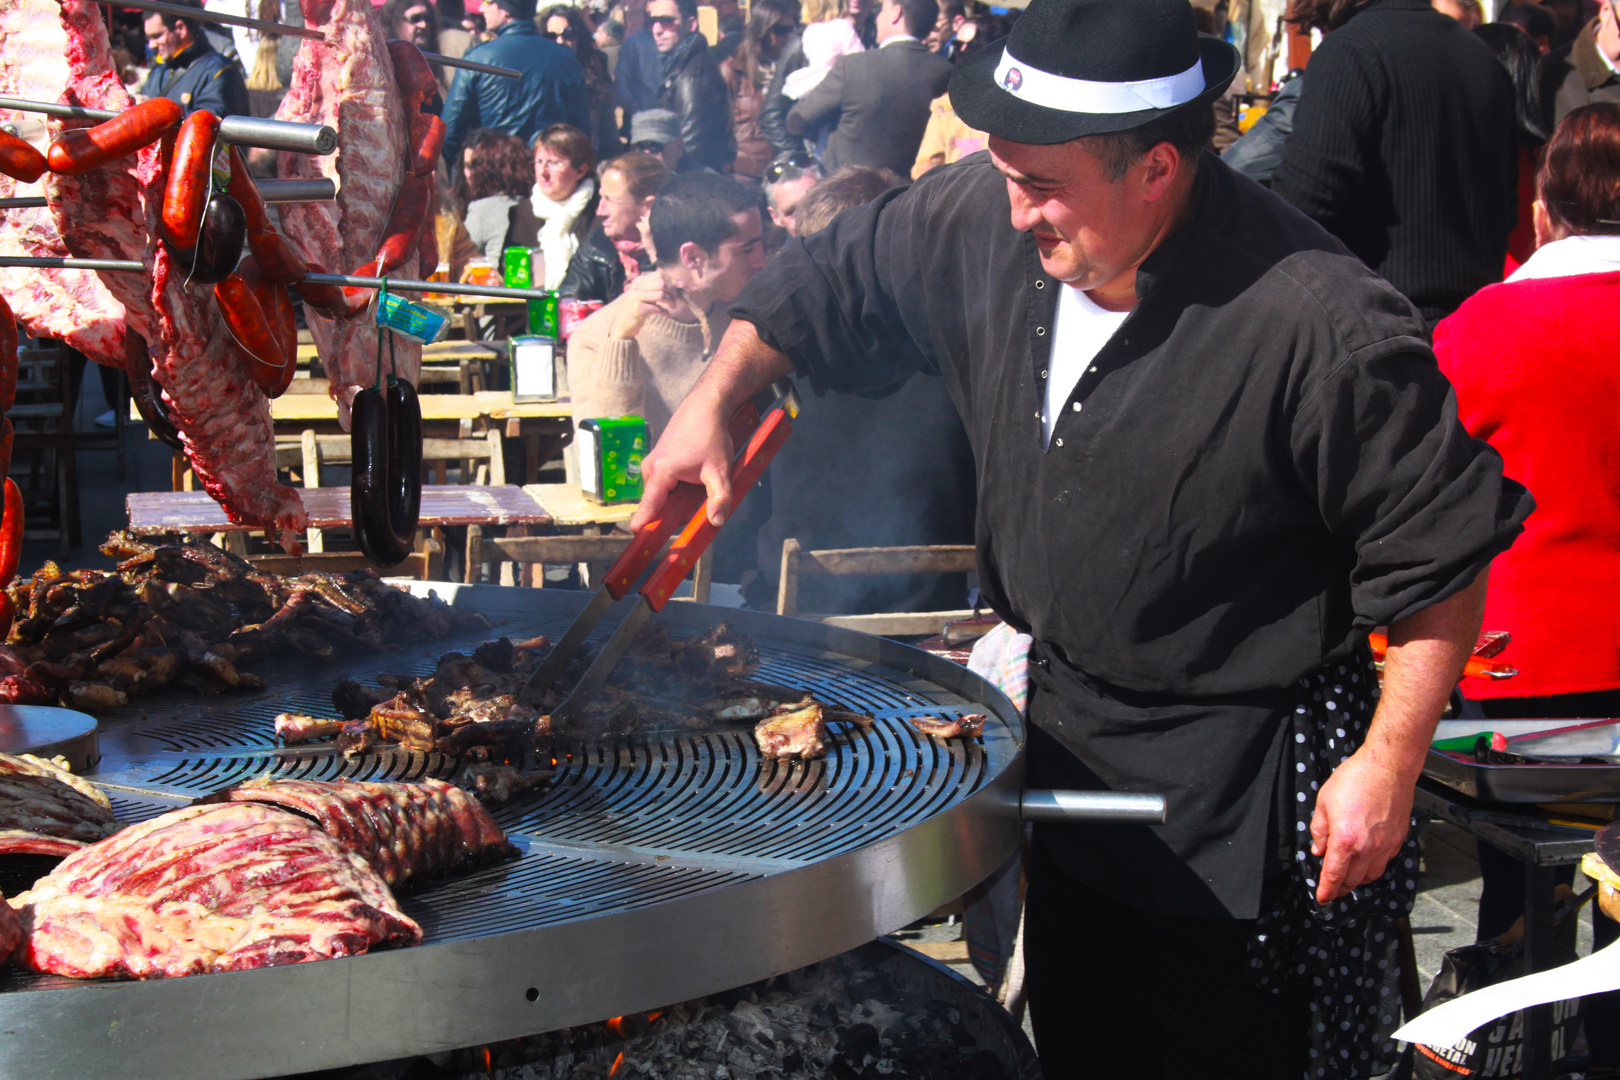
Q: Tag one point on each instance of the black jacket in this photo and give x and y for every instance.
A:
(595, 272)
(1262, 463)
(1405, 147)
(773, 113)
(694, 90)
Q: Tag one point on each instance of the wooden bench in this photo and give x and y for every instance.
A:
(921, 559)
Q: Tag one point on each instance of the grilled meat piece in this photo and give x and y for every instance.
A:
(53, 769)
(92, 696)
(505, 738)
(839, 716)
(971, 725)
(798, 734)
(208, 888)
(403, 831)
(23, 842)
(405, 719)
(357, 736)
(11, 931)
(355, 702)
(294, 728)
(499, 783)
(33, 799)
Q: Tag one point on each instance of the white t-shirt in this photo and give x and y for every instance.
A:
(1081, 330)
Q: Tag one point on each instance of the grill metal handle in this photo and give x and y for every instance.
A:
(1071, 807)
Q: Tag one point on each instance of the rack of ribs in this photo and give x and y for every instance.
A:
(347, 82)
(73, 306)
(207, 888)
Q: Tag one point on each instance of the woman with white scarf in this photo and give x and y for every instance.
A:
(564, 198)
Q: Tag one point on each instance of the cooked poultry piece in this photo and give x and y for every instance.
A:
(971, 725)
(294, 728)
(798, 734)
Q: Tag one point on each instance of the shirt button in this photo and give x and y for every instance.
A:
(1058, 441)
(1040, 284)
(1076, 406)
(1043, 373)
(1040, 331)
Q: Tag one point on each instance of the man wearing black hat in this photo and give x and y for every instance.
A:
(550, 91)
(1213, 452)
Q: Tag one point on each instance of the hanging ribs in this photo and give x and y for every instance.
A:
(347, 81)
(72, 306)
(207, 888)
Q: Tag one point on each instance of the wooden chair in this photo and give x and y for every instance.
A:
(423, 565)
(317, 450)
(597, 553)
(927, 559)
(43, 423)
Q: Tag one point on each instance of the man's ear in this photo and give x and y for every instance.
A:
(694, 258)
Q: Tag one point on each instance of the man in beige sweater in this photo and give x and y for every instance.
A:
(641, 354)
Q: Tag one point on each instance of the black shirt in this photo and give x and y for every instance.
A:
(1405, 147)
(1266, 462)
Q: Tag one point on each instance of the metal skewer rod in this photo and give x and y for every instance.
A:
(132, 265)
(470, 65)
(395, 284)
(238, 130)
(272, 191)
(229, 20)
(405, 285)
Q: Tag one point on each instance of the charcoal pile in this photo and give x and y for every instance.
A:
(194, 616)
(842, 1019)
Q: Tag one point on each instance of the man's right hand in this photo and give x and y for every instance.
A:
(695, 448)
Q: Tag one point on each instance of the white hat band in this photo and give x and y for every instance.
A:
(1060, 92)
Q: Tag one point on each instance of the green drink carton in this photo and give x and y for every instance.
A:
(516, 268)
(543, 319)
(610, 452)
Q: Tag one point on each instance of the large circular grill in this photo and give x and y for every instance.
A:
(660, 867)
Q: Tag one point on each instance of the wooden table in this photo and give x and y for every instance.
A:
(463, 363)
(476, 508)
(544, 426)
(154, 512)
(568, 508)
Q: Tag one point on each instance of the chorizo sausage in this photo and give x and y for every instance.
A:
(247, 322)
(427, 144)
(83, 149)
(245, 191)
(276, 256)
(11, 536)
(19, 160)
(417, 83)
(190, 183)
(270, 366)
(329, 300)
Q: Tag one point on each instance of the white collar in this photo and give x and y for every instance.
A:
(1608, 63)
(897, 37)
(1570, 257)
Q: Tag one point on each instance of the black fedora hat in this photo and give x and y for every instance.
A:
(1072, 68)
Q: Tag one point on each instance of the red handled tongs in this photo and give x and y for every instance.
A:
(685, 504)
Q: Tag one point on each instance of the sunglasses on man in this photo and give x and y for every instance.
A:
(797, 160)
(649, 147)
(668, 22)
(781, 30)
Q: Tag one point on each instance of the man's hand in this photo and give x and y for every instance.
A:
(695, 447)
(1362, 815)
(649, 294)
(1364, 810)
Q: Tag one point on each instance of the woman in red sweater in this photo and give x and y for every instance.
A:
(1537, 372)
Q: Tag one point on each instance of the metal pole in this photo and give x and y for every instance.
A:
(470, 65)
(130, 265)
(278, 134)
(229, 20)
(1068, 807)
(241, 130)
(404, 285)
(271, 191)
(288, 191)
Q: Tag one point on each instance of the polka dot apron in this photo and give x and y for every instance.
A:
(1342, 958)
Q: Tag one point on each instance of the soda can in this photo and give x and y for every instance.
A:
(515, 267)
(543, 316)
(575, 311)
